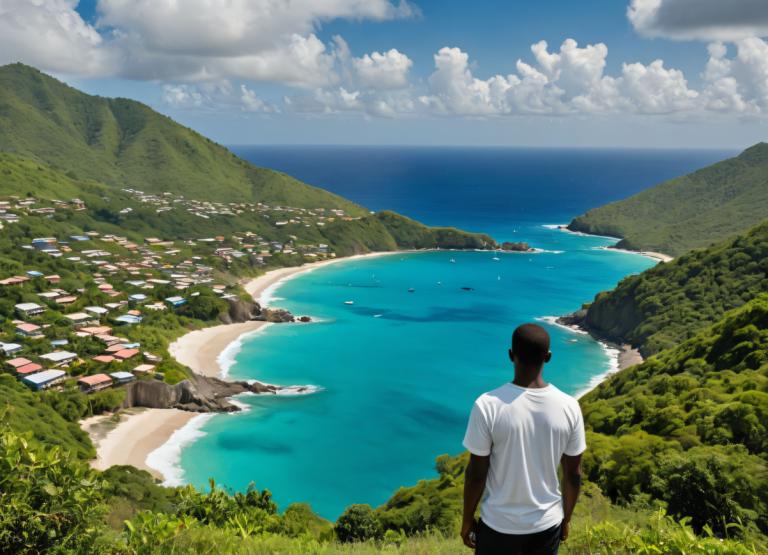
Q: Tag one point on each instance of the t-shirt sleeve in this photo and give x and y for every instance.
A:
(478, 440)
(577, 443)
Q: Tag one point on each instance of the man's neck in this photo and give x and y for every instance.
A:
(530, 379)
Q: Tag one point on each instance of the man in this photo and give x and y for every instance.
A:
(517, 435)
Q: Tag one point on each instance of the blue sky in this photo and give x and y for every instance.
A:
(639, 73)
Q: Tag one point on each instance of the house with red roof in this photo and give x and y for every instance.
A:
(28, 330)
(97, 382)
(16, 363)
(28, 369)
(125, 354)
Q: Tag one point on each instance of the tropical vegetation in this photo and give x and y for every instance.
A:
(692, 211)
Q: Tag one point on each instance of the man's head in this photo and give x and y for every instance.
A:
(530, 347)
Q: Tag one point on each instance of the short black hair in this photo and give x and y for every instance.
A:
(530, 344)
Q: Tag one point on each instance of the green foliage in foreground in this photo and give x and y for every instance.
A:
(52, 503)
(22, 409)
(672, 302)
(688, 212)
(689, 426)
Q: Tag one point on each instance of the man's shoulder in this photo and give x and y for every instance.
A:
(566, 400)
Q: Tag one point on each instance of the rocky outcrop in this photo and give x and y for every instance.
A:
(515, 247)
(277, 315)
(577, 318)
(200, 394)
(241, 310)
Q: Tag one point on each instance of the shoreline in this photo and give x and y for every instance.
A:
(622, 356)
(157, 436)
(152, 439)
(660, 256)
(130, 436)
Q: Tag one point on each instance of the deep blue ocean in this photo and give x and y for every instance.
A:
(398, 370)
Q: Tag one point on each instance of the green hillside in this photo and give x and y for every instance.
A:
(688, 426)
(673, 301)
(23, 410)
(124, 143)
(688, 212)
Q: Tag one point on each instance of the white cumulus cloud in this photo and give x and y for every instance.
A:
(387, 70)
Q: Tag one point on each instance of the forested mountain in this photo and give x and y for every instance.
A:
(124, 143)
(688, 212)
(673, 301)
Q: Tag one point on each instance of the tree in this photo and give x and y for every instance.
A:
(358, 523)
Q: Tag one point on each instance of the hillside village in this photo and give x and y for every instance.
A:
(63, 332)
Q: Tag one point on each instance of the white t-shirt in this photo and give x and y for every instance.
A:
(526, 432)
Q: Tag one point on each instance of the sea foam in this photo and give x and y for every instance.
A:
(166, 459)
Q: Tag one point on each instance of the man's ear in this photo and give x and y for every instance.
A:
(548, 357)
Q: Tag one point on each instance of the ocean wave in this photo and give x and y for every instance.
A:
(228, 356)
(292, 390)
(613, 366)
(553, 226)
(552, 320)
(166, 459)
(546, 251)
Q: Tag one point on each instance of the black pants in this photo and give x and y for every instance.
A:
(491, 542)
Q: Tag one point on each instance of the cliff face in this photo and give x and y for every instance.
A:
(241, 311)
(198, 395)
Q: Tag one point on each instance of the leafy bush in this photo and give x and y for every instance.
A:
(358, 523)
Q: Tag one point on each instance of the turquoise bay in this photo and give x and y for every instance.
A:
(397, 370)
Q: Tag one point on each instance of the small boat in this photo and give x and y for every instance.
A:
(467, 289)
(411, 290)
(495, 258)
(453, 261)
(378, 315)
(349, 302)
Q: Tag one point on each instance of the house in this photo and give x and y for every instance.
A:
(97, 382)
(28, 330)
(144, 368)
(149, 357)
(96, 330)
(68, 299)
(81, 319)
(28, 369)
(137, 298)
(26, 310)
(59, 358)
(176, 301)
(45, 379)
(44, 243)
(9, 348)
(125, 354)
(155, 306)
(99, 311)
(53, 278)
(122, 377)
(15, 280)
(17, 363)
(104, 359)
(128, 319)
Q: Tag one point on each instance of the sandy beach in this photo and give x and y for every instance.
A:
(131, 435)
(201, 349)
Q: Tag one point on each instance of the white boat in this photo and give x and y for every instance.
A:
(349, 302)
(453, 261)
(496, 258)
